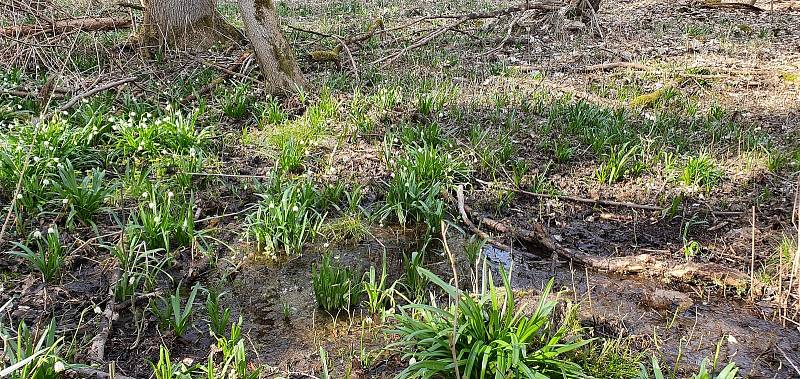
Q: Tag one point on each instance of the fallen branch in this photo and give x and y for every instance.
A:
(720, 5)
(91, 373)
(97, 350)
(601, 202)
(87, 24)
(464, 217)
(613, 65)
(643, 264)
(460, 19)
(71, 103)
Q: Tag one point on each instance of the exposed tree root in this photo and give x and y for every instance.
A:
(643, 264)
(87, 24)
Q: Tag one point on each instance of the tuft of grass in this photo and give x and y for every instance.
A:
(379, 294)
(30, 356)
(285, 219)
(291, 156)
(164, 219)
(700, 171)
(218, 317)
(49, 255)
(85, 197)
(172, 314)
(494, 339)
(336, 287)
(620, 162)
(236, 102)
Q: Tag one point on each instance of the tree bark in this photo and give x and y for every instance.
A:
(185, 24)
(274, 55)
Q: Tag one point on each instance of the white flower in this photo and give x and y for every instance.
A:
(192, 152)
(157, 219)
(170, 194)
(36, 159)
(60, 166)
(145, 195)
(152, 205)
(59, 367)
(55, 159)
(50, 230)
(37, 234)
(295, 208)
(412, 361)
(271, 205)
(325, 245)
(19, 196)
(65, 201)
(46, 143)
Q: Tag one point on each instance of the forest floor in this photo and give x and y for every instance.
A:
(655, 149)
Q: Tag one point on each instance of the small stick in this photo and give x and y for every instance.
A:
(93, 92)
(98, 349)
(752, 252)
(788, 359)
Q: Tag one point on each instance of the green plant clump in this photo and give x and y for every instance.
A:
(336, 287)
(494, 339)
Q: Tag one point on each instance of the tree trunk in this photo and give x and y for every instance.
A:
(185, 24)
(274, 55)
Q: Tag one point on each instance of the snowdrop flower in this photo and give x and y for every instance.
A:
(60, 166)
(50, 230)
(152, 205)
(157, 219)
(36, 159)
(145, 195)
(192, 152)
(46, 182)
(37, 234)
(19, 196)
(295, 208)
(325, 245)
(170, 194)
(55, 159)
(271, 205)
(46, 143)
(65, 201)
(59, 367)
